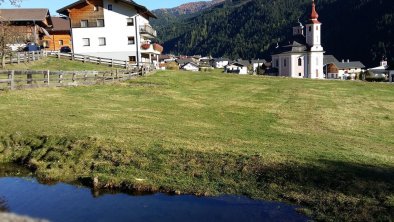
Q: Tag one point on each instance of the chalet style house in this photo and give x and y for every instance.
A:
(117, 29)
(59, 34)
(302, 55)
(31, 24)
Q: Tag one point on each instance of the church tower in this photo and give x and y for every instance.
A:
(313, 40)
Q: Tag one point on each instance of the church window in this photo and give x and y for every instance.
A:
(317, 73)
(299, 74)
(284, 62)
(299, 62)
(310, 28)
(277, 63)
(317, 27)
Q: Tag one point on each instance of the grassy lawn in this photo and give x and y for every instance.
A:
(54, 64)
(327, 146)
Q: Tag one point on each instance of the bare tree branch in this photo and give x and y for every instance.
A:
(13, 2)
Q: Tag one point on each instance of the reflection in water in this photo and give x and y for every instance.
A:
(3, 205)
(63, 202)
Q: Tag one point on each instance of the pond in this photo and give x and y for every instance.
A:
(63, 202)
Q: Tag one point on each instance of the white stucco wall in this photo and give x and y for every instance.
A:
(315, 65)
(115, 32)
(296, 70)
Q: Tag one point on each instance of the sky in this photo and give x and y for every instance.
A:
(54, 5)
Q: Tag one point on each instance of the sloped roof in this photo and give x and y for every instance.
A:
(140, 9)
(259, 61)
(190, 63)
(329, 59)
(60, 24)
(295, 44)
(349, 65)
(221, 59)
(24, 14)
(183, 61)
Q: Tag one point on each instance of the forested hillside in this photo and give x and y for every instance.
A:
(354, 29)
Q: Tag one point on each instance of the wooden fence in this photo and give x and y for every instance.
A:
(90, 59)
(16, 79)
(23, 57)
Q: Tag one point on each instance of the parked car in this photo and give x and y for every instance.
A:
(65, 49)
(30, 47)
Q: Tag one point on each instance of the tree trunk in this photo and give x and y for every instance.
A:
(3, 61)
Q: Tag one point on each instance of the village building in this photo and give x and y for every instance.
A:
(184, 61)
(117, 29)
(302, 55)
(238, 67)
(31, 24)
(380, 71)
(220, 63)
(346, 70)
(257, 63)
(191, 66)
(59, 34)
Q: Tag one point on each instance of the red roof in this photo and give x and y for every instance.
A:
(314, 15)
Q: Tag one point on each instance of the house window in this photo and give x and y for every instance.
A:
(130, 21)
(299, 62)
(45, 43)
(100, 22)
(102, 41)
(332, 76)
(132, 59)
(130, 40)
(84, 23)
(86, 42)
(110, 7)
(96, 8)
(61, 42)
(284, 62)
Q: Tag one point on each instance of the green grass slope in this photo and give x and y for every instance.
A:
(325, 145)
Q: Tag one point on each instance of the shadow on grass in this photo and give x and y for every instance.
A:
(334, 189)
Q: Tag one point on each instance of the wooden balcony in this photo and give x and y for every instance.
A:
(148, 31)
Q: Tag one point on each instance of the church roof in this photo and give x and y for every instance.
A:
(295, 44)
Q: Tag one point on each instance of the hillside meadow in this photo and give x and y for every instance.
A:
(327, 146)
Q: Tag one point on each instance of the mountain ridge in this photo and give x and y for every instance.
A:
(352, 29)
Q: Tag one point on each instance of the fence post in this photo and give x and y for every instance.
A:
(58, 55)
(99, 60)
(29, 77)
(18, 57)
(84, 59)
(112, 62)
(125, 64)
(34, 55)
(28, 57)
(72, 56)
(74, 77)
(11, 78)
(117, 74)
(61, 78)
(11, 58)
(46, 77)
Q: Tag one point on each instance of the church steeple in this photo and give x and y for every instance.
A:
(314, 15)
(313, 30)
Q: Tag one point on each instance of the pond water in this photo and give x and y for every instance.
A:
(63, 202)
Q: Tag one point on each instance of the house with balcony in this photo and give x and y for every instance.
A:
(117, 29)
